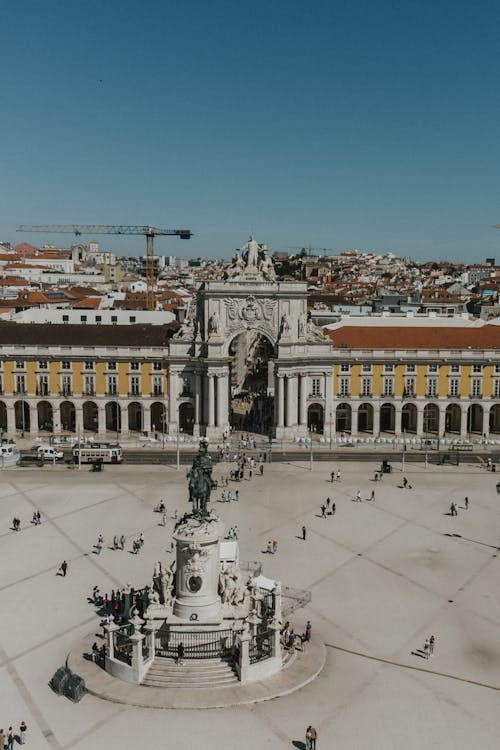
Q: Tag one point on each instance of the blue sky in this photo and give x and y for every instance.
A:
(370, 125)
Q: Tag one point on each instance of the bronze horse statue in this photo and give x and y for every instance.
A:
(201, 483)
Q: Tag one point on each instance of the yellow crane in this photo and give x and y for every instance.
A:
(149, 232)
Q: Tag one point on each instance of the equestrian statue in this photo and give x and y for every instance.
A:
(201, 483)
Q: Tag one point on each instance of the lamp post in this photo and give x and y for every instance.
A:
(23, 425)
(117, 421)
(310, 451)
(178, 447)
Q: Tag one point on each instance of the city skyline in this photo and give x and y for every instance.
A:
(333, 127)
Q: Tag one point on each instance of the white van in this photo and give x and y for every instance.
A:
(48, 453)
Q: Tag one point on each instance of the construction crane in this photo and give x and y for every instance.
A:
(148, 232)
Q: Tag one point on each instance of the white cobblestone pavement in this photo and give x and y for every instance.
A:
(383, 575)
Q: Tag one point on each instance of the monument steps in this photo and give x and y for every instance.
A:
(194, 673)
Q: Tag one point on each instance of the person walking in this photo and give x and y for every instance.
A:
(466, 503)
(115, 542)
(332, 512)
(122, 541)
(426, 648)
(332, 476)
(338, 475)
(328, 501)
(180, 654)
(22, 732)
(323, 511)
(275, 547)
(38, 518)
(314, 736)
(10, 738)
(64, 568)
(358, 496)
(307, 634)
(308, 738)
(100, 542)
(304, 533)
(432, 642)
(3, 739)
(372, 496)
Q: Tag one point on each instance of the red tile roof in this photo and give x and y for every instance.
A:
(415, 337)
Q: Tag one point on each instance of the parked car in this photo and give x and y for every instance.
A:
(48, 453)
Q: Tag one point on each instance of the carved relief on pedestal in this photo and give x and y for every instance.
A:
(250, 313)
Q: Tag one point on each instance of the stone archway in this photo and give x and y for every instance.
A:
(431, 419)
(252, 379)
(158, 417)
(475, 419)
(343, 418)
(495, 418)
(3, 416)
(409, 418)
(387, 418)
(22, 416)
(45, 416)
(186, 417)
(135, 417)
(90, 416)
(113, 417)
(316, 418)
(68, 416)
(365, 418)
(453, 419)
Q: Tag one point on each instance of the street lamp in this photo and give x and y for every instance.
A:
(178, 447)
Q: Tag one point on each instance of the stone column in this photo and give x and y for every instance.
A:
(397, 420)
(211, 399)
(56, 418)
(376, 420)
(354, 418)
(244, 664)
(197, 403)
(173, 406)
(303, 399)
(291, 401)
(110, 631)
(11, 418)
(79, 417)
(220, 399)
(281, 400)
(463, 422)
(33, 418)
(420, 420)
(486, 420)
(442, 421)
(146, 418)
(124, 426)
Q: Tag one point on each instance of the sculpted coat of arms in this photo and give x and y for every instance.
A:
(249, 311)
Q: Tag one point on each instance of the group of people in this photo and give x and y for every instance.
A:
(36, 521)
(290, 640)
(7, 738)
(328, 508)
(429, 646)
(272, 548)
(233, 533)
(227, 496)
(454, 507)
(335, 476)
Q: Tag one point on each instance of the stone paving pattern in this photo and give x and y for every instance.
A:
(383, 576)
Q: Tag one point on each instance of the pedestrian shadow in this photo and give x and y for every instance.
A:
(448, 513)
(300, 537)
(299, 744)
(419, 652)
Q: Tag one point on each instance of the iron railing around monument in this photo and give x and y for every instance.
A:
(260, 646)
(122, 645)
(205, 644)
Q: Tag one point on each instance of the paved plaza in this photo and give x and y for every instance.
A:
(383, 575)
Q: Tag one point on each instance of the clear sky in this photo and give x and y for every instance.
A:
(370, 125)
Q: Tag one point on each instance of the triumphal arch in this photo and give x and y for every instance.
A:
(248, 358)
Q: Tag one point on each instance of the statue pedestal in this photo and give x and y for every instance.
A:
(197, 571)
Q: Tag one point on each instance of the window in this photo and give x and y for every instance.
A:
(66, 385)
(43, 364)
(65, 318)
(454, 385)
(134, 365)
(497, 368)
(366, 386)
(476, 387)
(20, 384)
(345, 368)
(98, 318)
(83, 318)
(89, 365)
(20, 363)
(432, 368)
(388, 367)
(343, 386)
(114, 319)
(132, 319)
(156, 366)
(65, 364)
(1, 384)
(388, 387)
(43, 385)
(432, 386)
(455, 368)
(316, 387)
(411, 368)
(112, 365)
(135, 385)
(409, 387)
(186, 387)
(157, 386)
(88, 385)
(477, 368)
(366, 367)
(496, 388)
(112, 386)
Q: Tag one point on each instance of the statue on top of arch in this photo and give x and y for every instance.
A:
(252, 262)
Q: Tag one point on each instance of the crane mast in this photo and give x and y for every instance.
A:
(149, 232)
